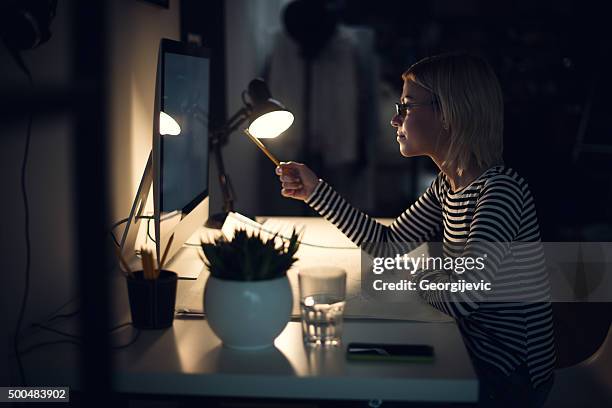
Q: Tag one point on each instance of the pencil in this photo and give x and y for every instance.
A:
(262, 147)
(151, 264)
(143, 259)
(146, 264)
(166, 252)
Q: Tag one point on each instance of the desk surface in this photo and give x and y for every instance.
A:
(188, 359)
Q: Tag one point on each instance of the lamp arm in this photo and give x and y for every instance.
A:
(232, 127)
(225, 183)
(218, 138)
(232, 124)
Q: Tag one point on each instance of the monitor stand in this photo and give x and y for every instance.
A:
(186, 263)
(132, 226)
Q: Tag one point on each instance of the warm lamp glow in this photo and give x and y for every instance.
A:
(167, 125)
(271, 124)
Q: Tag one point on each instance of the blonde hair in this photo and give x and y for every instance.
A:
(469, 97)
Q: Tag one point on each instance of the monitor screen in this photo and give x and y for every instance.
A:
(185, 92)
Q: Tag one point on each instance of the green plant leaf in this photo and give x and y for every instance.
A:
(250, 257)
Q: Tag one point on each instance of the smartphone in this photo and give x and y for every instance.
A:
(414, 353)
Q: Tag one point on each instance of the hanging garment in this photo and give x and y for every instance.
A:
(334, 134)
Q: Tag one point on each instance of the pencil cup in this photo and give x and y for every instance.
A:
(152, 301)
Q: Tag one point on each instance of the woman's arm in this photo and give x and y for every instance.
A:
(416, 225)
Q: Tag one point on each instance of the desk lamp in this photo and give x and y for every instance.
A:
(267, 117)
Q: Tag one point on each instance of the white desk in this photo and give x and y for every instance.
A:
(188, 360)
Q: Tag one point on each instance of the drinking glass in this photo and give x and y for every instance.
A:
(322, 300)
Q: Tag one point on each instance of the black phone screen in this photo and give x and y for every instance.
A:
(391, 352)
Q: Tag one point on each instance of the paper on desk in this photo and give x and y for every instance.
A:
(317, 231)
(235, 221)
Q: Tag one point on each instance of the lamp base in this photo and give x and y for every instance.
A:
(216, 221)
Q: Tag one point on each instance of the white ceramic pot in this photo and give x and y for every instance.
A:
(248, 315)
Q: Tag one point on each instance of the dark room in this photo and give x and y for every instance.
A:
(306, 203)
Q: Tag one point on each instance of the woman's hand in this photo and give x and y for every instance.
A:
(298, 181)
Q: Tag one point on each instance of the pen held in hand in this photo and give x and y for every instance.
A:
(262, 147)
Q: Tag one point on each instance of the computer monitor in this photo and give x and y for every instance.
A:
(178, 164)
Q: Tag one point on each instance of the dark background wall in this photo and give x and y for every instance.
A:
(552, 59)
(49, 185)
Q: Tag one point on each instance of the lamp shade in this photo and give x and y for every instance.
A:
(268, 117)
(270, 120)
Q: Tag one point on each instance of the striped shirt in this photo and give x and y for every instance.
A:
(511, 326)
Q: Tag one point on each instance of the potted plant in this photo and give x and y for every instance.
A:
(247, 298)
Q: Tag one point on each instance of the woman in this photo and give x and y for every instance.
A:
(451, 110)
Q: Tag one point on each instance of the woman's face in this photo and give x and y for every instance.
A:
(420, 126)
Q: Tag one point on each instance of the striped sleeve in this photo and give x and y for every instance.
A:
(416, 225)
(494, 226)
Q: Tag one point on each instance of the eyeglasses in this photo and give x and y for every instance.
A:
(402, 108)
